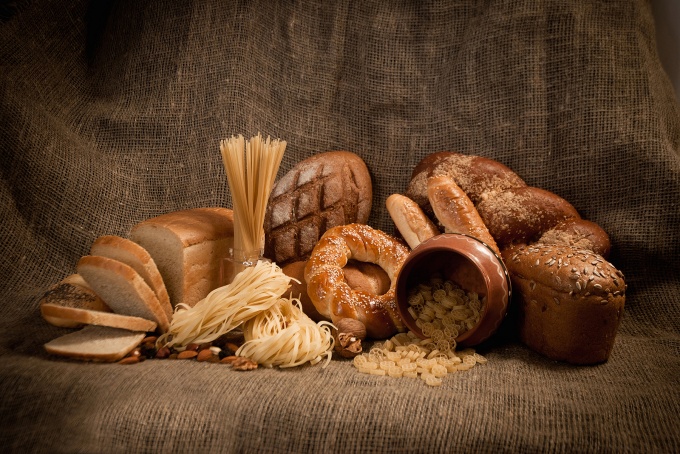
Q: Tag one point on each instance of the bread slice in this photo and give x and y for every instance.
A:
(135, 256)
(70, 292)
(96, 343)
(81, 317)
(122, 289)
(188, 247)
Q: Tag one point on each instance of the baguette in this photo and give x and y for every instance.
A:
(411, 222)
(455, 210)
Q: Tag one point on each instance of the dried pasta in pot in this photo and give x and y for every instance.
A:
(285, 336)
(253, 291)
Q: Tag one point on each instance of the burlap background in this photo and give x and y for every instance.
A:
(112, 113)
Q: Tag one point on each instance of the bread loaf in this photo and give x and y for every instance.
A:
(561, 316)
(572, 301)
(409, 219)
(70, 292)
(188, 247)
(96, 343)
(455, 210)
(323, 191)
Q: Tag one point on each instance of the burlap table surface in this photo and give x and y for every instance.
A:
(112, 113)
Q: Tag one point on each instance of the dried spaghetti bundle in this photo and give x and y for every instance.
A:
(251, 168)
(285, 336)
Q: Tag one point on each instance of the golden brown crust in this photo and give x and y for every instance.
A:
(455, 210)
(363, 276)
(323, 191)
(194, 225)
(332, 295)
(411, 222)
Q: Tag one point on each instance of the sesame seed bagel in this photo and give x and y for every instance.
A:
(332, 295)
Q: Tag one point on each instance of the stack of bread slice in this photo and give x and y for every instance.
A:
(118, 292)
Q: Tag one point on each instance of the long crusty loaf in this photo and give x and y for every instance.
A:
(95, 343)
(122, 289)
(70, 292)
(188, 247)
(323, 191)
(135, 256)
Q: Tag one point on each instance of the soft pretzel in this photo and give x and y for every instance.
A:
(570, 299)
(331, 294)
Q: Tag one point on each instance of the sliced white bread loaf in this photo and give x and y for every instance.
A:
(135, 256)
(188, 247)
(96, 343)
(122, 289)
(70, 292)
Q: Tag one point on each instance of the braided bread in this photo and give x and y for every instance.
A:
(570, 299)
(331, 294)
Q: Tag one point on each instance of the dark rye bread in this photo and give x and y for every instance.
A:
(323, 191)
(570, 300)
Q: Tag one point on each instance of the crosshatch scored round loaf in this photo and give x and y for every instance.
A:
(323, 191)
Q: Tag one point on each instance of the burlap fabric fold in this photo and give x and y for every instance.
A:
(111, 112)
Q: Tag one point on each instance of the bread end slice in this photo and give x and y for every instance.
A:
(70, 292)
(96, 343)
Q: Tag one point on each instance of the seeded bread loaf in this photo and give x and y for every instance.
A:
(96, 343)
(70, 292)
(135, 256)
(571, 301)
(323, 191)
(122, 289)
(188, 247)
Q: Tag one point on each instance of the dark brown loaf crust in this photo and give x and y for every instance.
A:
(580, 233)
(521, 215)
(571, 301)
(476, 175)
(323, 191)
(526, 221)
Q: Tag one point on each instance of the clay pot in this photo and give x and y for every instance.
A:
(472, 265)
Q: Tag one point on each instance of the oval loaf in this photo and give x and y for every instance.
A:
(323, 191)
